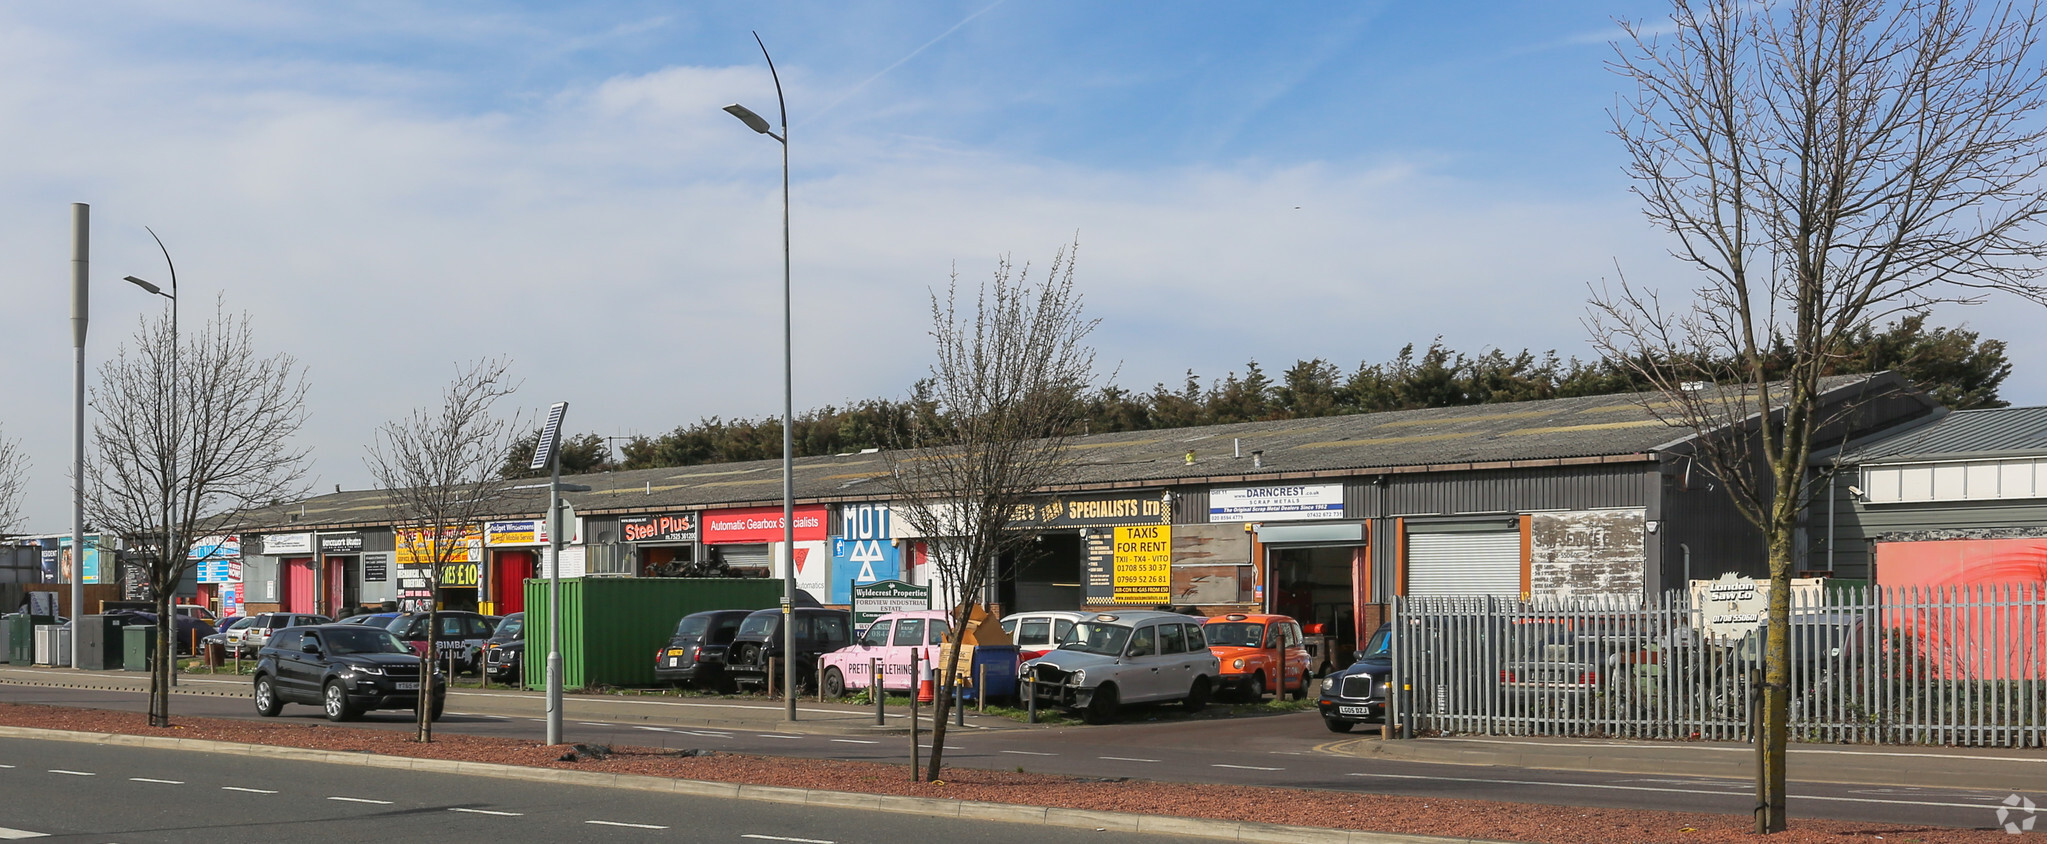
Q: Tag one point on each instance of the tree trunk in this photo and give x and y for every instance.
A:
(424, 707)
(947, 683)
(1773, 721)
(160, 673)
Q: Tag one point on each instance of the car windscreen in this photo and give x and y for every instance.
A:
(692, 627)
(1234, 634)
(361, 640)
(759, 625)
(1380, 646)
(510, 628)
(1097, 637)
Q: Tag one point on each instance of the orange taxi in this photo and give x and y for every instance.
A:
(1256, 651)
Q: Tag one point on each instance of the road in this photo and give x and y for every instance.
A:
(1291, 751)
(66, 790)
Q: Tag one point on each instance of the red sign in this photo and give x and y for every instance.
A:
(761, 524)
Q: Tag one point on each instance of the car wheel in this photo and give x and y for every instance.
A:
(1301, 693)
(834, 683)
(440, 705)
(1197, 695)
(1255, 690)
(1336, 726)
(335, 702)
(267, 704)
(1101, 709)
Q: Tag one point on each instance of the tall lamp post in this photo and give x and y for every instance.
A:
(171, 408)
(758, 124)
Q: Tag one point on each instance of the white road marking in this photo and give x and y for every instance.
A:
(6, 766)
(854, 741)
(592, 724)
(1673, 790)
(249, 790)
(361, 800)
(711, 733)
(488, 812)
(1024, 752)
(1247, 767)
(73, 773)
(17, 834)
(1125, 759)
(770, 735)
(165, 782)
(622, 823)
(783, 838)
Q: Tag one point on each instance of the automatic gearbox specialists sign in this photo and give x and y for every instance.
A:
(1144, 564)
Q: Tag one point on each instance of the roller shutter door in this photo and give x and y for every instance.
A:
(747, 556)
(1487, 563)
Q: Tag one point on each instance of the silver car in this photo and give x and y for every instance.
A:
(1116, 658)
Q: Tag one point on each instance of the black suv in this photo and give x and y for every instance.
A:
(505, 652)
(343, 668)
(1357, 694)
(696, 653)
(818, 631)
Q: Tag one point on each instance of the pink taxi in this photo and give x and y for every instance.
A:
(891, 639)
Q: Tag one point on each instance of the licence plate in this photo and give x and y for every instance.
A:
(675, 652)
(1353, 710)
(408, 687)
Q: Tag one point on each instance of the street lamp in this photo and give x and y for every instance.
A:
(166, 544)
(758, 124)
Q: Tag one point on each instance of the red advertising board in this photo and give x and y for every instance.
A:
(1972, 606)
(761, 524)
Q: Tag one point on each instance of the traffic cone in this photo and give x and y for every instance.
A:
(925, 692)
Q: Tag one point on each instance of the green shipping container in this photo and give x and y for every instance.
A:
(612, 625)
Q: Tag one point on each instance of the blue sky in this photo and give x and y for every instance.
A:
(391, 188)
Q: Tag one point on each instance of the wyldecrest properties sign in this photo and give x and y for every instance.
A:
(874, 600)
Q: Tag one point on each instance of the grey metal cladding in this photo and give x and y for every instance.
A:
(1994, 432)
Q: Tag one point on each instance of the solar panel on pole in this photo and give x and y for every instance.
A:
(550, 436)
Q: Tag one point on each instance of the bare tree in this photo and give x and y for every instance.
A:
(1008, 384)
(442, 473)
(166, 473)
(1823, 164)
(13, 477)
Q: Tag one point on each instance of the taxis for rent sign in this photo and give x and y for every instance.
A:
(1144, 564)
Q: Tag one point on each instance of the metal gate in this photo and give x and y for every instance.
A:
(1945, 666)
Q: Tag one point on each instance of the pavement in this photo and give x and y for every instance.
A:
(813, 717)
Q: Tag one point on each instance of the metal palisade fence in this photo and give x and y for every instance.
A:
(1959, 665)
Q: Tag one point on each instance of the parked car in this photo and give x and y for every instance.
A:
(695, 654)
(375, 619)
(458, 639)
(1037, 632)
(346, 669)
(1260, 652)
(891, 639)
(1356, 694)
(263, 625)
(1126, 657)
(504, 653)
(759, 640)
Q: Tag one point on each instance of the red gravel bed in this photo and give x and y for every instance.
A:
(1535, 823)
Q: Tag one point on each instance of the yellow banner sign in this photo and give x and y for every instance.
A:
(1144, 564)
(416, 547)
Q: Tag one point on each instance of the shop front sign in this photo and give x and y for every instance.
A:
(1276, 503)
(1144, 564)
(340, 543)
(762, 524)
(515, 532)
(675, 527)
(417, 548)
(376, 567)
(874, 600)
(216, 559)
(1094, 510)
(288, 545)
(867, 553)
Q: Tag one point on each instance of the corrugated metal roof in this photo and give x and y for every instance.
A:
(1621, 426)
(1994, 432)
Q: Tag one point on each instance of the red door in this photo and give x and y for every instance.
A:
(511, 571)
(331, 582)
(298, 585)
